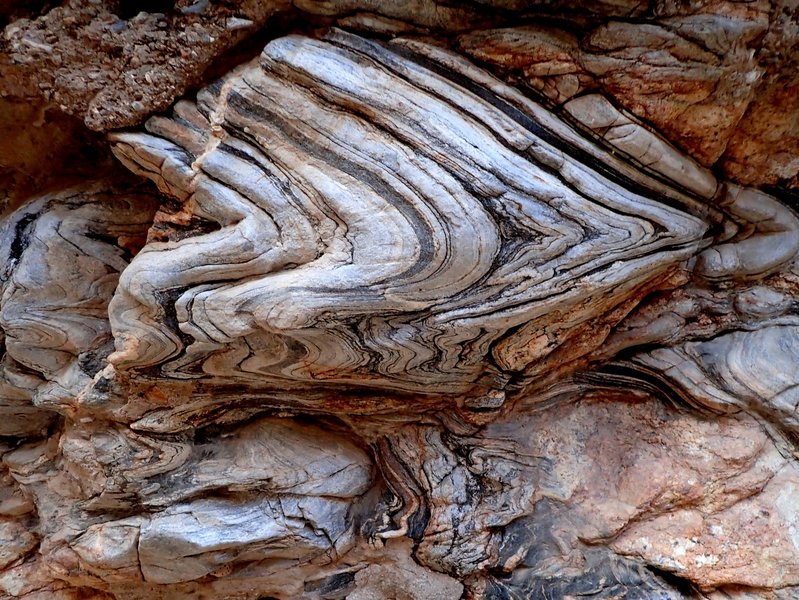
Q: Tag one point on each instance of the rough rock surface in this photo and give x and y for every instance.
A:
(352, 299)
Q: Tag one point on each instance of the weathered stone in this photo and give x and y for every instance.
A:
(445, 301)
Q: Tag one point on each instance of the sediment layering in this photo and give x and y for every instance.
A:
(419, 301)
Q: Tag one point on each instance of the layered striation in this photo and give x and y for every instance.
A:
(396, 325)
(387, 216)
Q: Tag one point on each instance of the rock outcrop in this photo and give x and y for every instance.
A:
(398, 300)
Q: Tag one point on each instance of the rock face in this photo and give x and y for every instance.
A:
(408, 300)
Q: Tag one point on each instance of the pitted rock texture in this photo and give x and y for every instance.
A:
(414, 300)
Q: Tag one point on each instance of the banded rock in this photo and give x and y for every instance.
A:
(62, 255)
(385, 216)
(398, 325)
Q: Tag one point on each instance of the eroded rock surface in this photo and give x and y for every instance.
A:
(421, 300)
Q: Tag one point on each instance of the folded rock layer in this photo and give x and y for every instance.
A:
(444, 301)
(384, 219)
